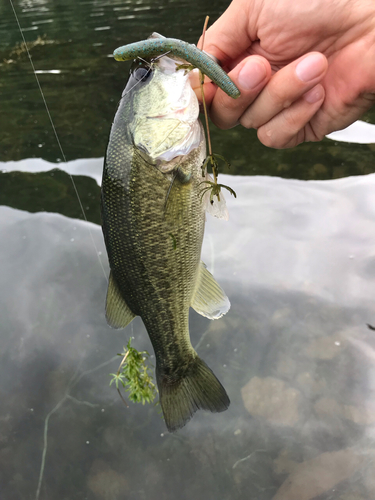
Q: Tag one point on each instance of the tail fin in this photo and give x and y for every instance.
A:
(197, 389)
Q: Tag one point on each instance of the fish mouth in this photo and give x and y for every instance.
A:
(165, 123)
(174, 138)
(171, 129)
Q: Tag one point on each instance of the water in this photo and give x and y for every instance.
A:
(296, 260)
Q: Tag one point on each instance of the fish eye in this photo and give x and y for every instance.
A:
(141, 73)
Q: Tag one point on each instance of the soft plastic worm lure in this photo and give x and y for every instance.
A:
(182, 50)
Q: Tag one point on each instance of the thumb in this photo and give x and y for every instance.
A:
(229, 36)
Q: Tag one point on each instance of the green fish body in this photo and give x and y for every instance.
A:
(153, 222)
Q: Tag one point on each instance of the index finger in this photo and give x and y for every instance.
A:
(229, 36)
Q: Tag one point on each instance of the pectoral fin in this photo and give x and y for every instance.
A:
(209, 299)
(117, 312)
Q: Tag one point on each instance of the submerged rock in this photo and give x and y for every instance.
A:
(325, 347)
(272, 399)
(360, 415)
(284, 464)
(327, 407)
(370, 481)
(352, 496)
(105, 483)
(314, 477)
(311, 383)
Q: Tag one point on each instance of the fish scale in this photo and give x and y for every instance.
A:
(143, 235)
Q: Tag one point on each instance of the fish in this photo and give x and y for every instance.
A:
(153, 218)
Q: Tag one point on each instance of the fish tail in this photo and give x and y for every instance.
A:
(197, 389)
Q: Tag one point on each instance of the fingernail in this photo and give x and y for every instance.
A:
(251, 75)
(314, 95)
(310, 67)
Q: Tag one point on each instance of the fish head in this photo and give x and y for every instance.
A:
(164, 124)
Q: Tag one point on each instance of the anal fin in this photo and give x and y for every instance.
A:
(117, 312)
(209, 299)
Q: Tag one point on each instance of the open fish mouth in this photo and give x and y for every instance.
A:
(166, 123)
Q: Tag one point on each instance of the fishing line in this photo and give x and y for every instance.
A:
(56, 135)
(137, 83)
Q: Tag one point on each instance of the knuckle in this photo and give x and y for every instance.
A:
(247, 122)
(222, 122)
(280, 96)
(250, 119)
(269, 137)
(291, 121)
(312, 135)
(280, 138)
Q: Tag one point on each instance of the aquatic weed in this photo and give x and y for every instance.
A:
(134, 377)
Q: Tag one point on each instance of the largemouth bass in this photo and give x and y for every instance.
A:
(153, 222)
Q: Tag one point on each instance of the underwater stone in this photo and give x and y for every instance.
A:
(272, 399)
(319, 475)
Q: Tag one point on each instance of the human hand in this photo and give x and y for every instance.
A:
(304, 69)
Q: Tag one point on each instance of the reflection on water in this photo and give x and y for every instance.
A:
(294, 353)
(51, 192)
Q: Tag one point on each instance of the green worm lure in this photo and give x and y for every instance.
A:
(182, 50)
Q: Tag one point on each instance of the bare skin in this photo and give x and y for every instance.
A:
(304, 68)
